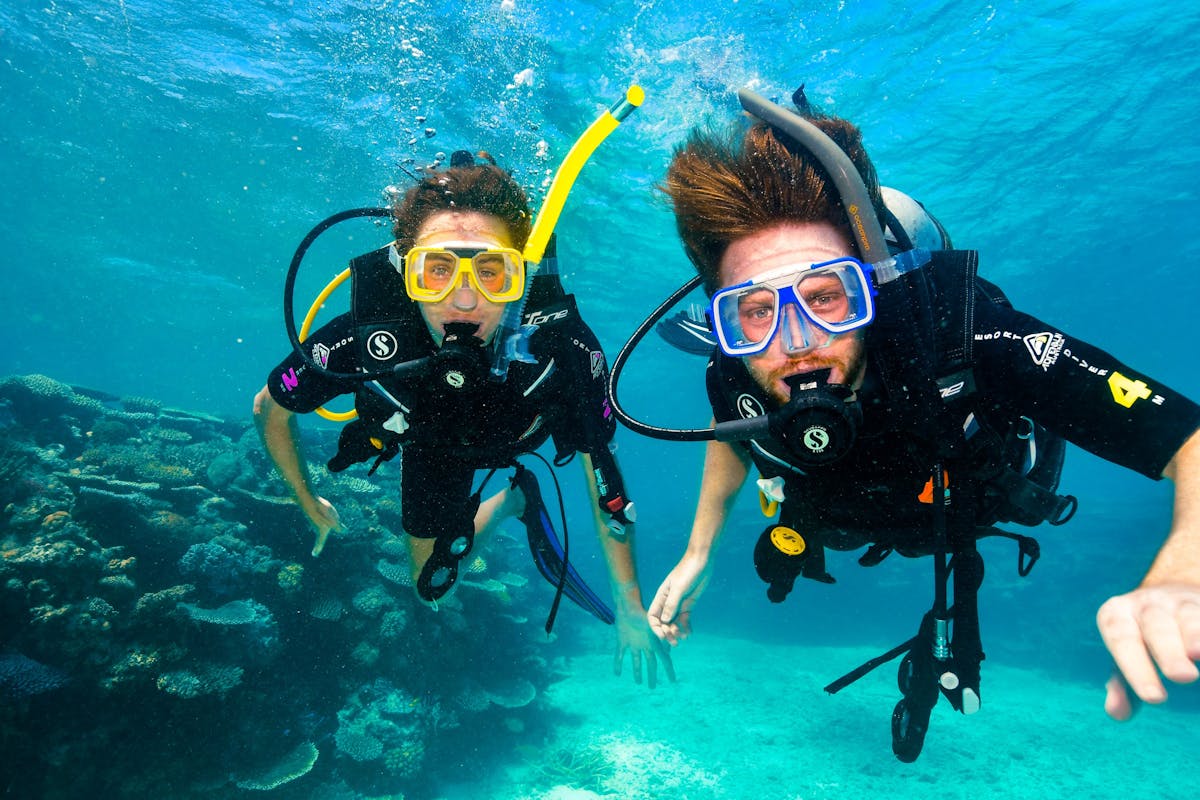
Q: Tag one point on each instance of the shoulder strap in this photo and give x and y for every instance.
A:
(954, 275)
(388, 329)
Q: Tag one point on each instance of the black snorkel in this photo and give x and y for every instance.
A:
(817, 425)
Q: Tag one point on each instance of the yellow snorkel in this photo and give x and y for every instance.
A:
(568, 171)
(512, 337)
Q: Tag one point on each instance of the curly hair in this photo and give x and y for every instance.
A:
(470, 187)
(725, 186)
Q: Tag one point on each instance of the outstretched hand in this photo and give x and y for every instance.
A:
(634, 637)
(670, 615)
(324, 518)
(1148, 630)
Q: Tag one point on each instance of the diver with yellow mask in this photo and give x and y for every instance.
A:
(463, 352)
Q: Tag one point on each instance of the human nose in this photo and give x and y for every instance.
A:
(795, 332)
(465, 298)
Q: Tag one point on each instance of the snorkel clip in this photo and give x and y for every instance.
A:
(516, 346)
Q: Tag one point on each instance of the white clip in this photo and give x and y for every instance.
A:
(772, 488)
(396, 423)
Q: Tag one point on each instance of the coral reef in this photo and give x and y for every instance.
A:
(164, 631)
(296, 764)
(22, 677)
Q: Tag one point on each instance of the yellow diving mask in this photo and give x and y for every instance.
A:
(433, 272)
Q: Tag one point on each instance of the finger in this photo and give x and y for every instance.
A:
(651, 669)
(685, 625)
(668, 667)
(1123, 638)
(618, 657)
(319, 545)
(1118, 702)
(636, 657)
(657, 627)
(667, 632)
(665, 605)
(1189, 626)
(1164, 638)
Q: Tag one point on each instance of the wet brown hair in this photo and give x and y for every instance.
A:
(728, 185)
(475, 187)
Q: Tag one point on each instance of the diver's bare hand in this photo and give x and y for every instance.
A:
(1148, 630)
(670, 615)
(634, 637)
(324, 518)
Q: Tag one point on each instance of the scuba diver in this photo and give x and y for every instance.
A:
(891, 399)
(444, 377)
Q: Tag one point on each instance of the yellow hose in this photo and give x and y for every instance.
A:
(580, 152)
(335, 416)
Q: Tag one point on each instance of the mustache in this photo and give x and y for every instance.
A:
(809, 363)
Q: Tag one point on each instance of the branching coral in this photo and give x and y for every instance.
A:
(383, 722)
(373, 601)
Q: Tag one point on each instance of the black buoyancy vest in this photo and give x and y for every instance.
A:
(389, 330)
(874, 494)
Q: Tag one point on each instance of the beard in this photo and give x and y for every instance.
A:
(846, 363)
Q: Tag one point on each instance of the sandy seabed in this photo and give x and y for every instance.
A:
(748, 720)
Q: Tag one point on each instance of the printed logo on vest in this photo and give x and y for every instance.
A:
(597, 363)
(382, 345)
(320, 354)
(816, 439)
(749, 406)
(1044, 348)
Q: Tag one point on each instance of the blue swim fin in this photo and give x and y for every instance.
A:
(548, 553)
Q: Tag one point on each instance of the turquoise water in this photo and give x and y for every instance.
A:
(162, 160)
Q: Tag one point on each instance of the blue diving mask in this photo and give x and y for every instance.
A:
(807, 305)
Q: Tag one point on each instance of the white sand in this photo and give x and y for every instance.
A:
(748, 720)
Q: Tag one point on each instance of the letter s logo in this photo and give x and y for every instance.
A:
(382, 345)
(749, 406)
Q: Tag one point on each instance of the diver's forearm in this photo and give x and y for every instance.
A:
(1178, 560)
(618, 552)
(280, 436)
(724, 473)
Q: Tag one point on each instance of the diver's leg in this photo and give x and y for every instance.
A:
(419, 551)
(505, 504)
